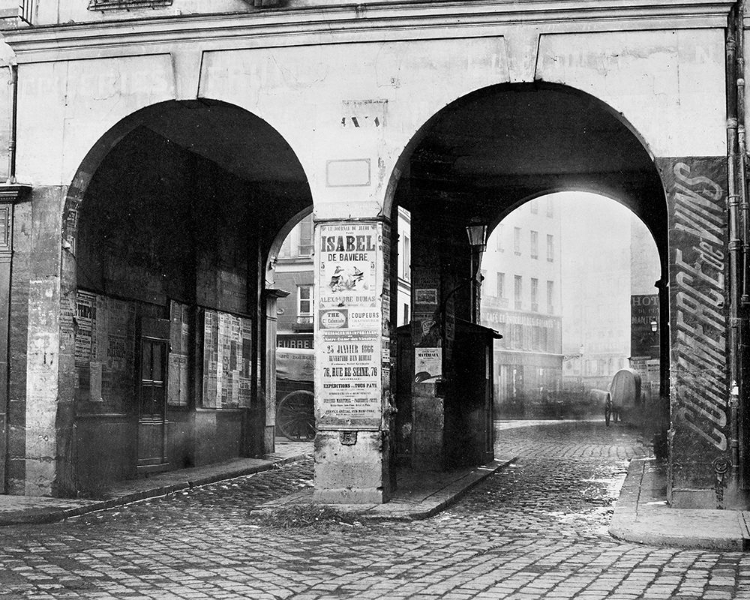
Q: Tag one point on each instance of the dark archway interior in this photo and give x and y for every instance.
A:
(185, 204)
(488, 152)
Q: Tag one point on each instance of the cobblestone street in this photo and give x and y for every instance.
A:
(534, 530)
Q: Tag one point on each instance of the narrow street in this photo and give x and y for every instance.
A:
(537, 529)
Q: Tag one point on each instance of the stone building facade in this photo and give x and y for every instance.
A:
(161, 150)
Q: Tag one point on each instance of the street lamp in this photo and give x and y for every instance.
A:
(654, 325)
(477, 233)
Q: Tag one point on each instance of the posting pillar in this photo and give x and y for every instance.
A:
(352, 375)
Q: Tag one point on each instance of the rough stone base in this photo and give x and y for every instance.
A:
(693, 499)
(350, 496)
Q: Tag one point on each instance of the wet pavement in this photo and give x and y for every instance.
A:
(536, 529)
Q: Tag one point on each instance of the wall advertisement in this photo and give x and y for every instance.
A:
(699, 317)
(349, 326)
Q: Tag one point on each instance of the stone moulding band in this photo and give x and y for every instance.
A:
(126, 4)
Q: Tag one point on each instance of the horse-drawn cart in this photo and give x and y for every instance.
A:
(295, 399)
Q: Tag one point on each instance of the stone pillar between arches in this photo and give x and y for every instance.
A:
(352, 370)
(700, 297)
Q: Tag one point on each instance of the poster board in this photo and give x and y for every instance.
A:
(227, 360)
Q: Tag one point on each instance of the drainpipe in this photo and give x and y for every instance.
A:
(736, 412)
(735, 243)
(13, 71)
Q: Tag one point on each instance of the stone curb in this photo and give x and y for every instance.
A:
(447, 496)
(643, 516)
(42, 515)
(401, 510)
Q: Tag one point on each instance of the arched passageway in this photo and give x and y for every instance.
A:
(569, 278)
(167, 247)
(475, 162)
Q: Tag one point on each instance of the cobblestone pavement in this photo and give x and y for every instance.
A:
(534, 530)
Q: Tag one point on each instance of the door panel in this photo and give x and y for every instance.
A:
(152, 426)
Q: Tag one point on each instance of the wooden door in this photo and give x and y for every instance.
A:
(152, 421)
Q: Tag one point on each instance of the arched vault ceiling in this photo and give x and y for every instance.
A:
(233, 138)
(502, 145)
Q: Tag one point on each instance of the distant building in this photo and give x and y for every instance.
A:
(521, 298)
(609, 258)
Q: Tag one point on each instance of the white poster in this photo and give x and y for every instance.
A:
(349, 326)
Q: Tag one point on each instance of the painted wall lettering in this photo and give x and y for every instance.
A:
(698, 299)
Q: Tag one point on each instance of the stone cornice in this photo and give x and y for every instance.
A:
(358, 23)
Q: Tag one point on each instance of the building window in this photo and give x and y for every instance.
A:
(534, 204)
(405, 314)
(534, 244)
(501, 285)
(518, 292)
(406, 259)
(500, 246)
(516, 336)
(551, 297)
(534, 294)
(550, 207)
(304, 301)
(517, 240)
(305, 245)
(550, 248)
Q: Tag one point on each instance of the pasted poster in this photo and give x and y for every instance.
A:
(698, 305)
(428, 364)
(227, 360)
(349, 324)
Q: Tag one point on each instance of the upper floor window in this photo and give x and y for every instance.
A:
(501, 285)
(551, 297)
(534, 294)
(550, 248)
(304, 301)
(534, 206)
(405, 259)
(518, 292)
(534, 244)
(499, 232)
(517, 240)
(305, 245)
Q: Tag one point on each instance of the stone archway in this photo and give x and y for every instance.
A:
(167, 229)
(490, 151)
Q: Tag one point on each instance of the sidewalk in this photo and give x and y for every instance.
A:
(420, 494)
(16, 510)
(642, 515)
